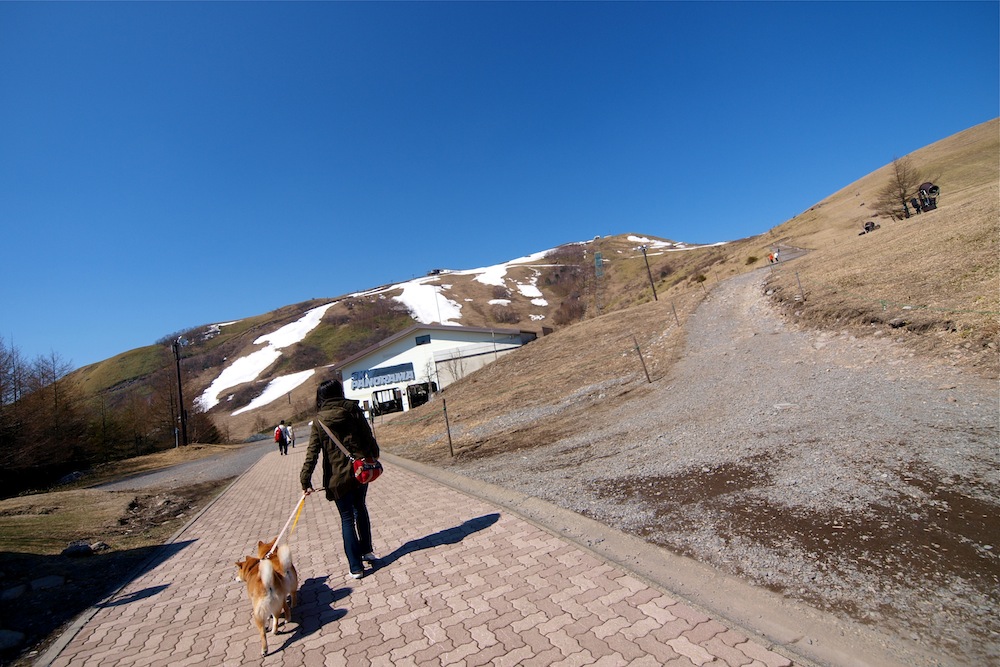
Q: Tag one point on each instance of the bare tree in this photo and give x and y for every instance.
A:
(893, 199)
(12, 374)
(45, 373)
(453, 367)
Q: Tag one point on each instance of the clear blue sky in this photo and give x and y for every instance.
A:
(171, 164)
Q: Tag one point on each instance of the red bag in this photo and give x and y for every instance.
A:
(366, 470)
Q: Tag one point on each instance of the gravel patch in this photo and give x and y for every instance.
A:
(844, 472)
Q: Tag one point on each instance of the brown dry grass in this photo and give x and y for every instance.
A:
(44, 523)
(572, 366)
(937, 274)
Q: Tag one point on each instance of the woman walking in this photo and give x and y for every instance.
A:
(347, 421)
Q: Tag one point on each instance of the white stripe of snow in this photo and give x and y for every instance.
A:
(671, 247)
(277, 388)
(426, 303)
(248, 368)
(493, 275)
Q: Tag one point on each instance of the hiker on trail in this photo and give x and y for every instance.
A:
(291, 434)
(281, 437)
(346, 420)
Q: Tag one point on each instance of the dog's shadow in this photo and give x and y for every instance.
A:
(452, 535)
(316, 608)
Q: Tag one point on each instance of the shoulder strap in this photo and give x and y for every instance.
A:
(336, 440)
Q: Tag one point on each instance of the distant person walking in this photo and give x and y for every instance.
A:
(281, 437)
(346, 420)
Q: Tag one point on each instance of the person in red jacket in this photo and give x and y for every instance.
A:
(281, 437)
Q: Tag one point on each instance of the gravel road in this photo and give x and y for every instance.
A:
(840, 471)
(223, 465)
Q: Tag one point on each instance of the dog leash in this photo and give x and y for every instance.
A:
(295, 515)
(298, 508)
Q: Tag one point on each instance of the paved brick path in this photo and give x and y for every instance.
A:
(461, 582)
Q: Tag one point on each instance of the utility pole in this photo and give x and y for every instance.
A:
(648, 272)
(598, 274)
(180, 394)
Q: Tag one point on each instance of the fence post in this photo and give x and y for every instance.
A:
(802, 296)
(674, 308)
(641, 359)
(447, 426)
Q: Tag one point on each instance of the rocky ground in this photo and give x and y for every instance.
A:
(842, 471)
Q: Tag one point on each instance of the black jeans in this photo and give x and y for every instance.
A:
(355, 526)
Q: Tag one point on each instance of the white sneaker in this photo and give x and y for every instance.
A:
(357, 575)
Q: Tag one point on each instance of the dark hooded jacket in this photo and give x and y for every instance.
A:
(345, 418)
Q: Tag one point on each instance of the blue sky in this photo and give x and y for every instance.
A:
(166, 165)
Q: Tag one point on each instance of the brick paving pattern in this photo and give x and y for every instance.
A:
(460, 582)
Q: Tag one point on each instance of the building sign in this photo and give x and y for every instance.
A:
(379, 377)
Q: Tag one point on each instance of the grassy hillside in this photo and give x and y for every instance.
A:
(931, 282)
(935, 276)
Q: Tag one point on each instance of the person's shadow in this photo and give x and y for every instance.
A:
(452, 535)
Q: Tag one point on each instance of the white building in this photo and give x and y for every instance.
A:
(403, 370)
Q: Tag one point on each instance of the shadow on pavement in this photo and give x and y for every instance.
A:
(315, 609)
(446, 536)
(134, 597)
(42, 612)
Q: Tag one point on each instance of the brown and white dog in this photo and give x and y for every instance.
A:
(283, 555)
(268, 586)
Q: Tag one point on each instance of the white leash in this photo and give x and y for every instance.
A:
(295, 516)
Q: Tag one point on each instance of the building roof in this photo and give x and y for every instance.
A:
(424, 327)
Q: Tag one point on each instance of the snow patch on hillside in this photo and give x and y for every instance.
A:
(494, 275)
(670, 246)
(427, 304)
(276, 388)
(248, 368)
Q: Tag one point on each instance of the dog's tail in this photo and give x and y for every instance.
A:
(285, 558)
(266, 570)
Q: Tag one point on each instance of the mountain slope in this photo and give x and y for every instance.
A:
(949, 306)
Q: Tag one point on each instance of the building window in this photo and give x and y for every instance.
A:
(423, 340)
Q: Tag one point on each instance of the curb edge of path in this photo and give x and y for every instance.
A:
(801, 633)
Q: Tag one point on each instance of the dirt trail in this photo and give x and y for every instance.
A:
(844, 472)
